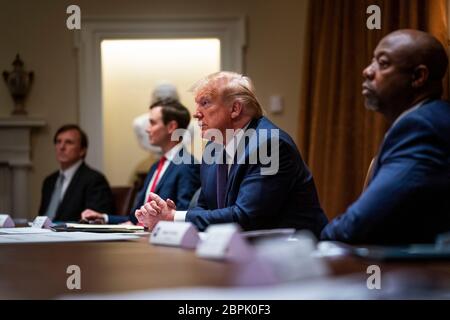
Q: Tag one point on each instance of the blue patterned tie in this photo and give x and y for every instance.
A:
(222, 177)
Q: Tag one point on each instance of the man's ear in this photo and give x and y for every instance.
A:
(83, 153)
(236, 109)
(420, 76)
(172, 126)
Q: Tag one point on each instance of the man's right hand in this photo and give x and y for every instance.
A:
(155, 210)
(93, 216)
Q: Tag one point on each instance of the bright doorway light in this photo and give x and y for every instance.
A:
(130, 71)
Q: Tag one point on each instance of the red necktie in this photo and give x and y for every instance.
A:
(155, 181)
(158, 172)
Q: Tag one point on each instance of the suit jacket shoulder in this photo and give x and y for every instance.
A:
(407, 199)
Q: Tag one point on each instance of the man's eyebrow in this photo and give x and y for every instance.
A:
(382, 52)
(202, 98)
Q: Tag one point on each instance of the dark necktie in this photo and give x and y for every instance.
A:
(222, 177)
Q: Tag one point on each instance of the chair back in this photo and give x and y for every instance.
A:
(123, 199)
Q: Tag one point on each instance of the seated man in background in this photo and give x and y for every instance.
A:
(74, 187)
(164, 90)
(407, 199)
(169, 176)
(239, 185)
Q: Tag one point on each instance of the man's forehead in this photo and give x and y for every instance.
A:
(393, 44)
(69, 134)
(155, 112)
(208, 91)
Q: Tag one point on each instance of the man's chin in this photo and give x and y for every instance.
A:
(372, 105)
(61, 160)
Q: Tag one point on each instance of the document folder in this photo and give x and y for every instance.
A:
(101, 228)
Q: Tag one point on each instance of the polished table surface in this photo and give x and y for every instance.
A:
(39, 271)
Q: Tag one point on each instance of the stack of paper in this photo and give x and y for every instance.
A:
(45, 237)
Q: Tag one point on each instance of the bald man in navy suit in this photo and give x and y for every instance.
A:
(407, 199)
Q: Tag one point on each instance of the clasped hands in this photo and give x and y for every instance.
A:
(155, 210)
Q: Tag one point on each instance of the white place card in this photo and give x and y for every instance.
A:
(225, 242)
(41, 222)
(6, 221)
(176, 234)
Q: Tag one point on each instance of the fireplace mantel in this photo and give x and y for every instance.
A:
(15, 160)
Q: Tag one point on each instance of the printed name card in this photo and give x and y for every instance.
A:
(225, 242)
(6, 221)
(176, 234)
(41, 222)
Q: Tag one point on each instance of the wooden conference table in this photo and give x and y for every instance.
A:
(38, 271)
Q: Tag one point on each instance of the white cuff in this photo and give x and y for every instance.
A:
(105, 217)
(180, 216)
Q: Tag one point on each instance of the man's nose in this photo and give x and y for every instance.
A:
(197, 115)
(368, 72)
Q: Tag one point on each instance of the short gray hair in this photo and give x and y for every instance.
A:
(231, 87)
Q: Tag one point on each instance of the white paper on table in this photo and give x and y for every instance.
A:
(25, 230)
(65, 237)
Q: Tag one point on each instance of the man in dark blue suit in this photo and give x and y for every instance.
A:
(176, 175)
(252, 172)
(407, 199)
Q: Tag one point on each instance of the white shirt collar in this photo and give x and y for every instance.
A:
(232, 145)
(69, 172)
(173, 152)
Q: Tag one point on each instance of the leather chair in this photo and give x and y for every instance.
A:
(123, 199)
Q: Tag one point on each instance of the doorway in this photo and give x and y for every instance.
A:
(228, 31)
(131, 69)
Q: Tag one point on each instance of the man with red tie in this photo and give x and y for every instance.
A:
(176, 175)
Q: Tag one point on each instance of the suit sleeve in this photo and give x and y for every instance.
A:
(188, 183)
(408, 166)
(259, 195)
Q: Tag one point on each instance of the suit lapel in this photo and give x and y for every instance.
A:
(69, 191)
(241, 159)
(50, 186)
(163, 179)
(170, 168)
(143, 191)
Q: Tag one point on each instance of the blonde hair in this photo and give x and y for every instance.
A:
(230, 87)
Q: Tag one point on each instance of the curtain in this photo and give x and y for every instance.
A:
(338, 137)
